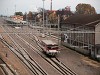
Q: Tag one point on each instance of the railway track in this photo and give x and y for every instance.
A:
(58, 65)
(23, 55)
(7, 69)
(53, 61)
(61, 66)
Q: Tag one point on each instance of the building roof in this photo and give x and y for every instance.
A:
(84, 19)
(49, 42)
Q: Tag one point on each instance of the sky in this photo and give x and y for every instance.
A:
(8, 7)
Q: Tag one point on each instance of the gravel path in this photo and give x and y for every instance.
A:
(1, 62)
(81, 64)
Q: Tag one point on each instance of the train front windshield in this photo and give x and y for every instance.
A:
(52, 47)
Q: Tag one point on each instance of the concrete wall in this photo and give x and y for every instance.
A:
(97, 35)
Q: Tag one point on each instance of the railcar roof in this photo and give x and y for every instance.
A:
(49, 42)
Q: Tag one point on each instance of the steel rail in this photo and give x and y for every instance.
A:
(61, 68)
(27, 59)
(7, 69)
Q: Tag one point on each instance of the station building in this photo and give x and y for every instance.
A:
(82, 33)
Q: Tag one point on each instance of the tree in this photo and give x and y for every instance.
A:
(19, 13)
(53, 17)
(85, 9)
(64, 13)
(30, 15)
(25, 16)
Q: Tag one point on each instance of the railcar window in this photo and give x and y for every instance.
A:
(52, 47)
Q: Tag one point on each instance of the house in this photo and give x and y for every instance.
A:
(17, 18)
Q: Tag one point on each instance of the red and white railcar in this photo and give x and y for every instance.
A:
(50, 47)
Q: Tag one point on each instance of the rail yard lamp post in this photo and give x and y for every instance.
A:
(51, 5)
(43, 18)
(59, 31)
(43, 11)
(15, 10)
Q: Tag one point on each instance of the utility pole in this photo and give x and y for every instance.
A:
(43, 19)
(58, 31)
(26, 16)
(51, 5)
(43, 13)
(15, 9)
(7, 11)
